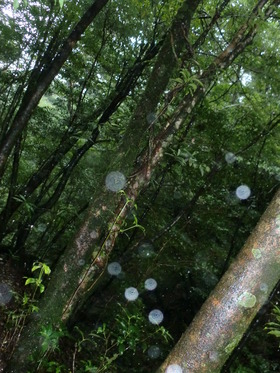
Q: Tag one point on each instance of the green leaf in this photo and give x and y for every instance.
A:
(35, 267)
(46, 269)
(34, 308)
(30, 280)
(276, 333)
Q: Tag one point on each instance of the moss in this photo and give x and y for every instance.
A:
(247, 300)
(257, 253)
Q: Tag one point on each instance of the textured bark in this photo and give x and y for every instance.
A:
(71, 282)
(228, 312)
(37, 88)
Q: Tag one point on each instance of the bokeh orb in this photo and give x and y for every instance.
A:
(154, 352)
(151, 118)
(81, 262)
(150, 284)
(230, 158)
(174, 368)
(131, 294)
(243, 192)
(114, 268)
(146, 250)
(115, 181)
(5, 294)
(264, 287)
(155, 317)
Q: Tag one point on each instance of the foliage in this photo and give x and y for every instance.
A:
(274, 326)
(188, 213)
(104, 345)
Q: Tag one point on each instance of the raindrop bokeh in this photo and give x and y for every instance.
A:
(131, 294)
(146, 250)
(155, 317)
(264, 287)
(243, 192)
(174, 368)
(154, 352)
(230, 158)
(114, 268)
(5, 294)
(151, 118)
(150, 284)
(115, 181)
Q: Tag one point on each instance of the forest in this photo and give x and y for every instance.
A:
(139, 186)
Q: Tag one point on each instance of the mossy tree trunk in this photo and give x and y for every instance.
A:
(233, 304)
(71, 282)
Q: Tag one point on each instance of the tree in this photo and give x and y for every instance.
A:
(229, 310)
(180, 62)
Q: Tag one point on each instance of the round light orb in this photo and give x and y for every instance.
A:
(264, 287)
(150, 284)
(81, 262)
(155, 317)
(146, 250)
(115, 181)
(5, 294)
(174, 368)
(114, 268)
(154, 352)
(42, 227)
(230, 158)
(151, 118)
(131, 294)
(243, 192)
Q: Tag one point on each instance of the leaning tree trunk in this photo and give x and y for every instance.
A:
(233, 304)
(71, 282)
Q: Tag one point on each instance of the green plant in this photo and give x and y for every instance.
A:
(38, 281)
(27, 304)
(51, 338)
(274, 326)
(129, 202)
(188, 82)
(88, 367)
(50, 343)
(128, 333)
(29, 207)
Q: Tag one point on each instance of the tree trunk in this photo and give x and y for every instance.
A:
(233, 304)
(71, 282)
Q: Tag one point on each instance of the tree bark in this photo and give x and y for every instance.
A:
(233, 304)
(71, 283)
